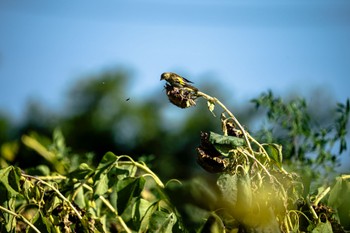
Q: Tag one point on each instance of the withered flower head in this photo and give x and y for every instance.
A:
(208, 157)
(229, 128)
(232, 130)
(181, 97)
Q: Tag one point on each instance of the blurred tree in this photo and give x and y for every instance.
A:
(99, 117)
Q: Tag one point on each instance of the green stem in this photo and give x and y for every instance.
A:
(215, 100)
(319, 198)
(143, 167)
(120, 219)
(21, 217)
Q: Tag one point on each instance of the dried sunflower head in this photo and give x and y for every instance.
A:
(208, 157)
(181, 97)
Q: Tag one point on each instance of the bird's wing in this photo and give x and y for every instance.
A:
(187, 80)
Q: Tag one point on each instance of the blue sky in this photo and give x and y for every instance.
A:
(247, 46)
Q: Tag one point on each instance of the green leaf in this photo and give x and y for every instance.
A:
(144, 213)
(10, 178)
(339, 192)
(323, 227)
(139, 212)
(82, 172)
(91, 225)
(228, 187)
(10, 204)
(101, 184)
(232, 141)
(53, 203)
(127, 189)
(245, 194)
(40, 170)
(108, 159)
(101, 179)
(162, 222)
(41, 223)
(224, 144)
(274, 151)
(236, 193)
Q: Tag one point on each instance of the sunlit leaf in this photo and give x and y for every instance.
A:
(323, 227)
(211, 106)
(101, 184)
(139, 211)
(10, 178)
(144, 213)
(339, 192)
(228, 187)
(213, 224)
(245, 194)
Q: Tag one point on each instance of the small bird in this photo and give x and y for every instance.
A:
(177, 81)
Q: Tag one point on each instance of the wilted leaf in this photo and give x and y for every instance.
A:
(211, 106)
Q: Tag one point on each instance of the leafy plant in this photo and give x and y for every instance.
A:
(254, 190)
(119, 195)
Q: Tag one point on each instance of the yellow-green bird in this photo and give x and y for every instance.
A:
(177, 81)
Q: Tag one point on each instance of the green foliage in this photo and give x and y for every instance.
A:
(119, 195)
(259, 187)
(307, 143)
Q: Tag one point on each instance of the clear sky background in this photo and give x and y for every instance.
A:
(247, 46)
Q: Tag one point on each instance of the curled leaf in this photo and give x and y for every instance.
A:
(211, 107)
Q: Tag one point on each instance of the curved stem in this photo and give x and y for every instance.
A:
(21, 217)
(144, 168)
(215, 100)
(120, 219)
